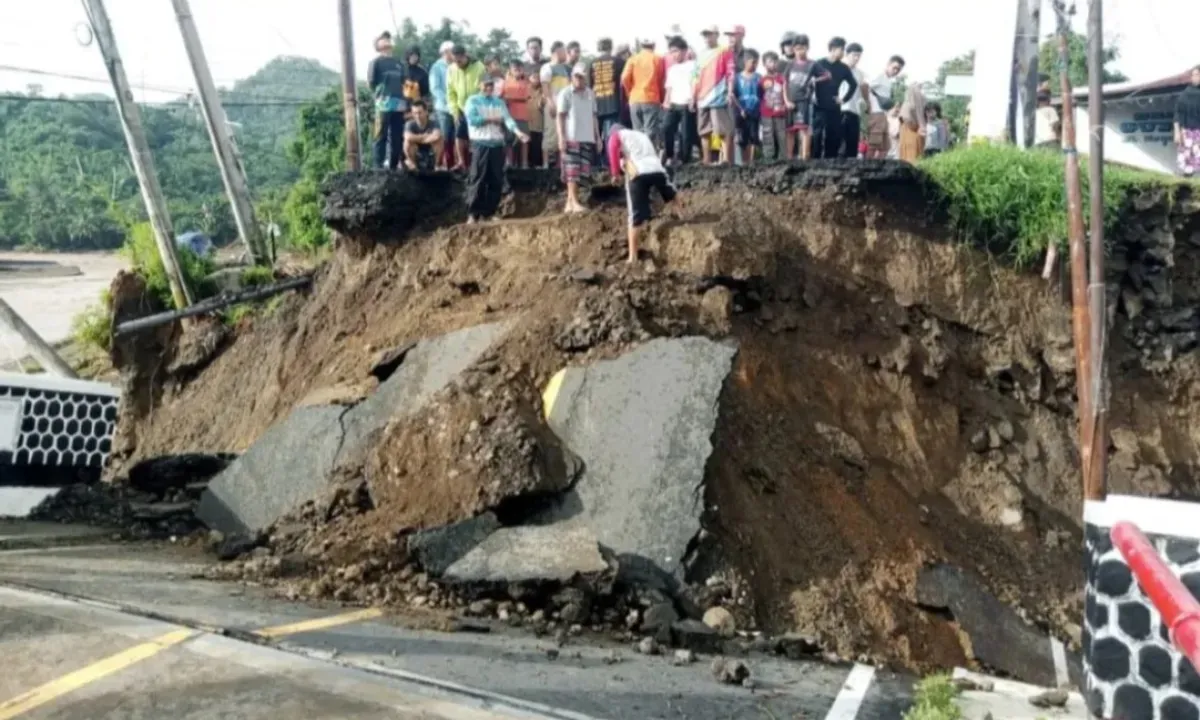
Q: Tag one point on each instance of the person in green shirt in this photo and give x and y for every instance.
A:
(462, 82)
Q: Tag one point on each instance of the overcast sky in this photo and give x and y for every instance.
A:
(1156, 37)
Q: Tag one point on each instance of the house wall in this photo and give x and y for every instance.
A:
(1137, 132)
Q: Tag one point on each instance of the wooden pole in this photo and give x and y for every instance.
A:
(1095, 483)
(38, 348)
(139, 150)
(232, 172)
(1076, 237)
(349, 88)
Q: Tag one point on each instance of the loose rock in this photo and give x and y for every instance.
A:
(1056, 698)
(721, 620)
(684, 657)
(648, 646)
(729, 672)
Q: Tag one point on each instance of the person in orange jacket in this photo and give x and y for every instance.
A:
(642, 80)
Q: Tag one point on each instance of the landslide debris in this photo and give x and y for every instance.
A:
(897, 402)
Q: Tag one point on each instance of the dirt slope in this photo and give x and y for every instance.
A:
(896, 399)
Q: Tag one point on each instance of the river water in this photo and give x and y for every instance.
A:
(48, 303)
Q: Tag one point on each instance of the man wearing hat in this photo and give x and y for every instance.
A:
(578, 133)
(386, 76)
(441, 107)
(715, 71)
(486, 118)
(642, 81)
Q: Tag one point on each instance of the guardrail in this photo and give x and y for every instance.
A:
(1179, 610)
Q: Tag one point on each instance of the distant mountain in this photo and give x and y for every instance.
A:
(282, 81)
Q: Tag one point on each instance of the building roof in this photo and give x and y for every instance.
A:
(1117, 91)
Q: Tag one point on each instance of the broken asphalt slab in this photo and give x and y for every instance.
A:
(1000, 639)
(643, 425)
(530, 554)
(294, 460)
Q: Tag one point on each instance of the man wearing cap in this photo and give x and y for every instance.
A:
(714, 82)
(441, 106)
(387, 76)
(578, 133)
(462, 83)
(737, 37)
(642, 82)
(486, 118)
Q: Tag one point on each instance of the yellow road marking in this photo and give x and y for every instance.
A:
(318, 624)
(550, 394)
(73, 681)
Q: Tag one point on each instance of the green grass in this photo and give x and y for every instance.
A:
(142, 252)
(93, 326)
(1013, 201)
(935, 700)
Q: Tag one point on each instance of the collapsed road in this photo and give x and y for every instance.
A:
(808, 428)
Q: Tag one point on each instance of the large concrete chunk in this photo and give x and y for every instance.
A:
(293, 461)
(643, 425)
(290, 463)
(529, 554)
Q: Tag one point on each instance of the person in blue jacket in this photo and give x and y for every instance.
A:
(487, 118)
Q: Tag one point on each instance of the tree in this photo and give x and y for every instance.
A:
(954, 109)
(1048, 62)
(499, 41)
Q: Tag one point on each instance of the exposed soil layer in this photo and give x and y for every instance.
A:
(897, 399)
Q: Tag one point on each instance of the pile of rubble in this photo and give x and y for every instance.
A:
(805, 416)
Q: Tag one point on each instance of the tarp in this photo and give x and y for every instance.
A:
(195, 241)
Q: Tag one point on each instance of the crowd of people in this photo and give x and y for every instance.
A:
(638, 113)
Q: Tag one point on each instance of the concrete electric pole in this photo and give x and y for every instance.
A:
(349, 88)
(232, 172)
(139, 150)
(1029, 18)
(38, 348)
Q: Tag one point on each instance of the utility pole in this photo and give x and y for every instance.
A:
(1029, 17)
(349, 88)
(232, 172)
(139, 150)
(1095, 484)
(38, 348)
(1080, 320)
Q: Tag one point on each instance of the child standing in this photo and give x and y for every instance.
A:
(516, 97)
(798, 92)
(747, 99)
(536, 107)
(773, 110)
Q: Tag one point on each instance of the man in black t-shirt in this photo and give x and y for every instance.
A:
(604, 77)
(829, 74)
(422, 140)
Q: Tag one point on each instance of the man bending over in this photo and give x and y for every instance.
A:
(632, 154)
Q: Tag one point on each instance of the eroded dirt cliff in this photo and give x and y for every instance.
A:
(897, 399)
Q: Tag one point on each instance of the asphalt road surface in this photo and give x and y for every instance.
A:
(128, 631)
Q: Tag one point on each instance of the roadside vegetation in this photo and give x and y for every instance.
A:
(935, 699)
(1013, 202)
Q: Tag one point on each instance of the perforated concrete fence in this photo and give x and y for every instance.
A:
(1133, 671)
(54, 422)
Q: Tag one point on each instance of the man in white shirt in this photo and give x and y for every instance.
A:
(852, 110)
(578, 133)
(679, 101)
(878, 136)
(632, 155)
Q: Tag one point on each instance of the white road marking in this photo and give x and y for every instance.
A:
(854, 691)
(1061, 676)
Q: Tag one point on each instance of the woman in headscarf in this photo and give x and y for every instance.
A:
(1187, 127)
(912, 125)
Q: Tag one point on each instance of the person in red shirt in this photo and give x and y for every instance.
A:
(516, 96)
(774, 110)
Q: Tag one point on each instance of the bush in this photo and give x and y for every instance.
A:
(1013, 201)
(93, 326)
(142, 252)
(306, 230)
(257, 275)
(935, 700)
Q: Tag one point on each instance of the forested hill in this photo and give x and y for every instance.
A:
(66, 182)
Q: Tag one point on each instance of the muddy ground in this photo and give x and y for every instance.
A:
(898, 399)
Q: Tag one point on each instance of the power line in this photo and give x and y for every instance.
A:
(156, 88)
(167, 105)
